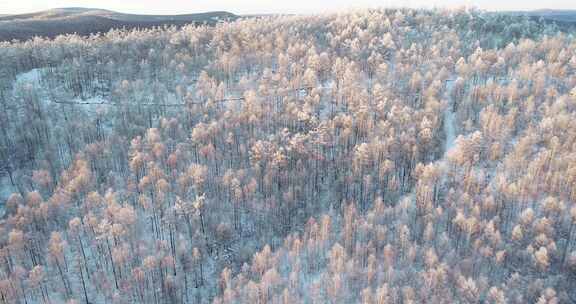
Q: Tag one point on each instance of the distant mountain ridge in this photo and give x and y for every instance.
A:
(85, 21)
(566, 17)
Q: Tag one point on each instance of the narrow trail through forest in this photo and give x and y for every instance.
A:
(449, 129)
(449, 116)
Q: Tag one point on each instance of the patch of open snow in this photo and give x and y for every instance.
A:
(329, 84)
(93, 99)
(31, 77)
(449, 129)
(449, 115)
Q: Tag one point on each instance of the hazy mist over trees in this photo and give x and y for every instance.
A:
(370, 156)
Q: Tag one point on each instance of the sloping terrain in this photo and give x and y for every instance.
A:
(371, 156)
(85, 21)
(556, 15)
(563, 18)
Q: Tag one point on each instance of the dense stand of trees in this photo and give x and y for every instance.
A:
(293, 159)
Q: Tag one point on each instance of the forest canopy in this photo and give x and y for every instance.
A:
(371, 156)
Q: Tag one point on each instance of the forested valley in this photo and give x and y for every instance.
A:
(369, 156)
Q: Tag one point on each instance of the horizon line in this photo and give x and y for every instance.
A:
(311, 12)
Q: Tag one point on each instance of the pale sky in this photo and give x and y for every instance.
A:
(269, 6)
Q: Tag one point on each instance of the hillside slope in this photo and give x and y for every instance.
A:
(563, 18)
(371, 156)
(85, 21)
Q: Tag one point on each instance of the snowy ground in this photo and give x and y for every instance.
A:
(6, 189)
(32, 78)
(449, 117)
(449, 130)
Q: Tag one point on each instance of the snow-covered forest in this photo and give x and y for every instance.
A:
(373, 156)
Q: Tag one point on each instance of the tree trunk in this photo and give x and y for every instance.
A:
(84, 286)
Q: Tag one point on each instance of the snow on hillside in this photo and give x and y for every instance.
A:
(449, 129)
(449, 119)
(32, 77)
